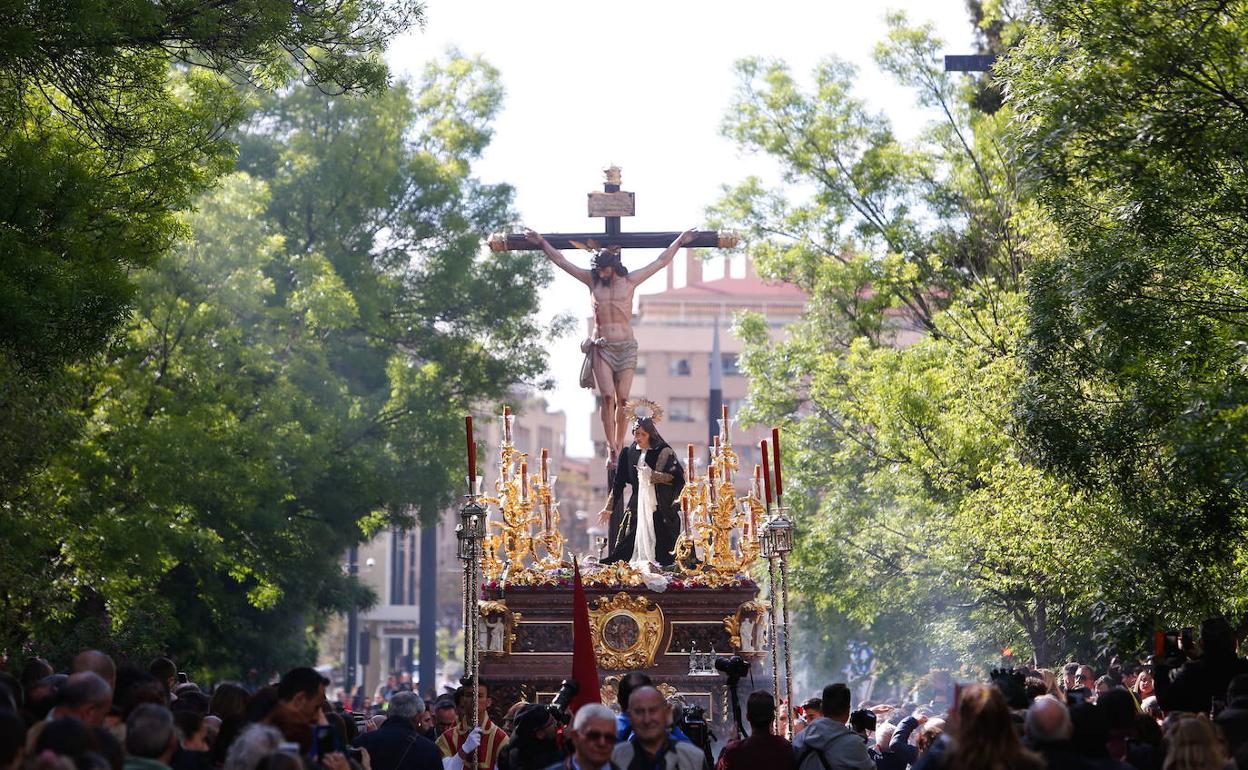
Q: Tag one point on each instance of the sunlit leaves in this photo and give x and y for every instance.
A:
(1131, 118)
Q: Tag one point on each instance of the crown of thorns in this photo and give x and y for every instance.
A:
(605, 258)
(602, 257)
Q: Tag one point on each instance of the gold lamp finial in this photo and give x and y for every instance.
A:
(612, 174)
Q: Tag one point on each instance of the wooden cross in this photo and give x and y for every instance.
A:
(611, 204)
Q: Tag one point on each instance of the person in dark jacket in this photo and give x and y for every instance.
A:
(1196, 684)
(532, 745)
(900, 754)
(1047, 731)
(761, 749)
(397, 745)
(1234, 718)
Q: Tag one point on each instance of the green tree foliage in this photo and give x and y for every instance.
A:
(1132, 117)
(103, 141)
(923, 529)
(286, 381)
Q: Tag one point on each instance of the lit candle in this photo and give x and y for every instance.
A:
(762, 450)
(775, 456)
(472, 454)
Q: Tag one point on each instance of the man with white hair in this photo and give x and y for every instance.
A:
(651, 746)
(398, 744)
(593, 739)
(1047, 730)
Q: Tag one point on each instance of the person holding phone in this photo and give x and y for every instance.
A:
(1205, 676)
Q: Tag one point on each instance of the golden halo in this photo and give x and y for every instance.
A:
(643, 408)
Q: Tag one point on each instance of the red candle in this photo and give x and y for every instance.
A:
(472, 453)
(506, 424)
(524, 480)
(762, 450)
(689, 470)
(775, 456)
(758, 473)
(724, 410)
(546, 494)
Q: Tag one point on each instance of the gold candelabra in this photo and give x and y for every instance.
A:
(717, 545)
(525, 540)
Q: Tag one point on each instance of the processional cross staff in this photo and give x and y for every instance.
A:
(612, 351)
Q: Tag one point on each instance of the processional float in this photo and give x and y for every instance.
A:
(514, 556)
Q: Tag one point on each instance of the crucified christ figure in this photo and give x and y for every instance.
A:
(611, 288)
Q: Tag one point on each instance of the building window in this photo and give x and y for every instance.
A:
(679, 367)
(686, 409)
(730, 364)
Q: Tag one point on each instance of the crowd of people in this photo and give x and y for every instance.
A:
(1183, 712)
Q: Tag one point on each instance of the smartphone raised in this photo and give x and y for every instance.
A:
(325, 740)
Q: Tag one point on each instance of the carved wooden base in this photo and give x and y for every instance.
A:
(633, 629)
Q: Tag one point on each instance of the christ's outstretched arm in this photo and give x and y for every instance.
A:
(556, 256)
(637, 276)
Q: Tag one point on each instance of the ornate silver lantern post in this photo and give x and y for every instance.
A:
(766, 545)
(470, 534)
(777, 543)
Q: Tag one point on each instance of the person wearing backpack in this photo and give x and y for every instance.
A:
(827, 744)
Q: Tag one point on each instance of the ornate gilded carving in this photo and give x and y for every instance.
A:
(666, 690)
(706, 550)
(525, 548)
(747, 627)
(626, 630)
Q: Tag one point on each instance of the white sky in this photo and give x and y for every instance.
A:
(643, 85)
